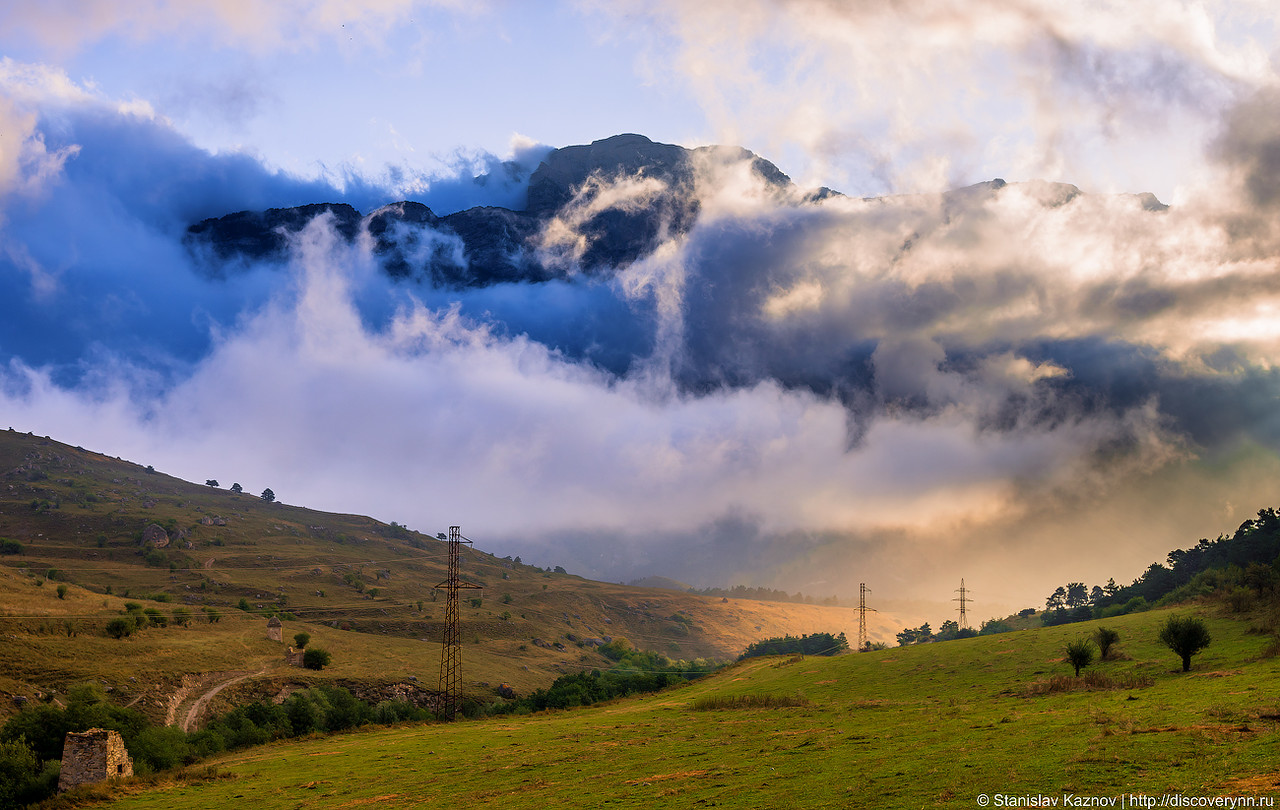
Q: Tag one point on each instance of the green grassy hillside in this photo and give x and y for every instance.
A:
(914, 727)
(936, 725)
(363, 589)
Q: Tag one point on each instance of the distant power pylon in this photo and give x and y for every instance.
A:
(863, 590)
(963, 599)
(451, 655)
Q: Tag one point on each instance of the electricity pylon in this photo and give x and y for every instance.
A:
(963, 599)
(451, 655)
(863, 590)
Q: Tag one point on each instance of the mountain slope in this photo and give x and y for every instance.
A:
(112, 532)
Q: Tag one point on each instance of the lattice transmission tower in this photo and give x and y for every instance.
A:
(964, 600)
(863, 641)
(451, 655)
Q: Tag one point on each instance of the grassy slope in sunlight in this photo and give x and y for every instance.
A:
(935, 725)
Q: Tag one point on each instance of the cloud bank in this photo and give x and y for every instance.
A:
(1018, 380)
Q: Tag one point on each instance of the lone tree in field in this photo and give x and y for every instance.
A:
(1080, 654)
(301, 639)
(1186, 637)
(1106, 638)
(267, 495)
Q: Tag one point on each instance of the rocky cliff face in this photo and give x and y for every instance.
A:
(574, 189)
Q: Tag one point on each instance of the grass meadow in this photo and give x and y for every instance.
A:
(936, 725)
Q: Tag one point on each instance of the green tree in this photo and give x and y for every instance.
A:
(1077, 594)
(62, 591)
(211, 482)
(315, 658)
(300, 639)
(1106, 638)
(1186, 636)
(267, 495)
(181, 616)
(19, 768)
(236, 488)
(121, 627)
(1080, 654)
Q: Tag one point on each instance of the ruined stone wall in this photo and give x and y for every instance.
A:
(93, 756)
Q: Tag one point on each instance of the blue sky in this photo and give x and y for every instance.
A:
(796, 396)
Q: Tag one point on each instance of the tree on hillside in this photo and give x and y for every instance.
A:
(267, 495)
(1077, 594)
(1079, 654)
(315, 658)
(301, 639)
(1096, 595)
(1057, 600)
(211, 482)
(237, 489)
(1186, 636)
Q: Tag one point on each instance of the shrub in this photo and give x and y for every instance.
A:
(1106, 638)
(315, 658)
(8, 546)
(181, 617)
(120, 627)
(19, 772)
(301, 639)
(62, 591)
(713, 702)
(1079, 654)
(1186, 636)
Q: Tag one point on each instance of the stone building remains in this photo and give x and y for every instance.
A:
(273, 629)
(93, 756)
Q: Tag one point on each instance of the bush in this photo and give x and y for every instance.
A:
(315, 658)
(8, 546)
(300, 640)
(120, 627)
(1079, 654)
(62, 591)
(1106, 638)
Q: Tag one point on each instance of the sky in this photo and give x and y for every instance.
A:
(899, 386)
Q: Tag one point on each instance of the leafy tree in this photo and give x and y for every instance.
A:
(8, 546)
(301, 639)
(181, 616)
(315, 658)
(267, 495)
(1077, 594)
(213, 615)
(1106, 638)
(1057, 600)
(1186, 636)
(121, 627)
(211, 482)
(19, 769)
(1096, 595)
(237, 489)
(62, 591)
(1079, 654)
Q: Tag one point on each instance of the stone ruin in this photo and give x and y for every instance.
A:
(274, 629)
(93, 756)
(294, 658)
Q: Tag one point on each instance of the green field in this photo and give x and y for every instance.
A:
(936, 725)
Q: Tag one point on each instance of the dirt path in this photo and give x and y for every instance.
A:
(193, 714)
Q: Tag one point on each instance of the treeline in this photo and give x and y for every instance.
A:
(1243, 568)
(764, 595)
(813, 644)
(634, 672)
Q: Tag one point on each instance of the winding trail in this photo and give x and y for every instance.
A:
(193, 714)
